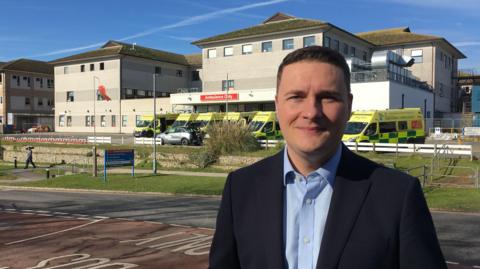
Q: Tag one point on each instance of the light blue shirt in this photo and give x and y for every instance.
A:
(306, 204)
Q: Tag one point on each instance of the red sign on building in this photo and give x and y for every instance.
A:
(218, 97)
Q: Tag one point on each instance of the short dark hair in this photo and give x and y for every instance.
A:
(316, 54)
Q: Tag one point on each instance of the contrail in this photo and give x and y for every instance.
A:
(185, 22)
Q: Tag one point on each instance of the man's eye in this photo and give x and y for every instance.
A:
(293, 97)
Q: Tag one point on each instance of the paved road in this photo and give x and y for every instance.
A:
(459, 234)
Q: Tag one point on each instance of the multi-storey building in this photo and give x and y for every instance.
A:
(126, 72)
(246, 61)
(26, 95)
(436, 61)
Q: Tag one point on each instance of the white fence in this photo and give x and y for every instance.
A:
(435, 149)
(100, 139)
(269, 143)
(146, 140)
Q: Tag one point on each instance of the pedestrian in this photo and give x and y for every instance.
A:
(29, 158)
(316, 204)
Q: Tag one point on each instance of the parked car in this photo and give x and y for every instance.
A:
(39, 129)
(180, 135)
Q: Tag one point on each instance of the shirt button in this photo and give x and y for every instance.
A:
(306, 240)
(309, 201)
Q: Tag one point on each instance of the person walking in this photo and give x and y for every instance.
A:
(29, 158)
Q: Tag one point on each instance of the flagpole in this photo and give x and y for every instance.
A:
(226, 101)
(95, 127)
(154, 125)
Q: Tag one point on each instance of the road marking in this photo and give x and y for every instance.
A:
(79, 215)
(476, 266)
(126, 219)
(153, 222)
(101, 217)
(60, 213)
(456, 263)
(43, 212)
(65, 217)
(46, 215)
(45, 235)
(27, 213)
(27, 210)
(181, 226)
(10, 209)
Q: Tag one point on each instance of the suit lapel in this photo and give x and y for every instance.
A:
(270, 202)
(348, 196)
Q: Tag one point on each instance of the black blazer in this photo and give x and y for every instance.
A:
(378, 218)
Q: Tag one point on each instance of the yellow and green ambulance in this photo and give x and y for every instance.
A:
(144, 125)
(184, 119)
(264, 125)
(386, 126)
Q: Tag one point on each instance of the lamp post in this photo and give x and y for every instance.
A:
(154, 124)
(95, 127)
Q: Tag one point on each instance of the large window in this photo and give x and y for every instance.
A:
(69, 121)
(82, 68)
(103, 120)
(309, 41)
(336, 45)
(228, 51)
(179, 73)
(417, 55)
(267, 46)
(70, 96)
(102, 66)
(124, 120)
(195, 75)
(287, 44)
(61, 120)
(92, 67)
(247, 49)
(326, 41)
(114, 121)
(212, 53)
(228, 84)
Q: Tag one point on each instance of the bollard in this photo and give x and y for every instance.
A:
(15, 162)
(47, 171)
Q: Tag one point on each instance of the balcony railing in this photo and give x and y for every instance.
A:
(385, 75)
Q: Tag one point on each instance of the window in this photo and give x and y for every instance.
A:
(287, 44)
(195, 75)
(27, 101)
(41, 82)
(69, 121)
(308, 41)
(158, 70)
(92, 67)
(0, 78)
(88, 121)
(402, 125)
(388, 127)
(228, 51)
(230, 84)
(103, 120)
(1, 99)
(212, 53)
(417, 55)
(247, 49)
(82, 68)
(49, 102)
(114, 121)
(352, 51)
(65, 69)
(179, 73)
(70, 96)
(61, 120)
(138, 120)
(364, 56)
(326, 41)
(1, 119)
(92, 120)
(40, 102)
(267, 46)
(124, 120)
(29, 83)
(371, 129)
(102, 66)
(268, 128)
(49, 83)
(336, 45)
(345, 49)
(18, 80)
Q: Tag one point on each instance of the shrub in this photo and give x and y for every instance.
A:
(228, 137)
(203, 158)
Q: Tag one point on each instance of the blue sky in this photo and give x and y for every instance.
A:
(51, 29)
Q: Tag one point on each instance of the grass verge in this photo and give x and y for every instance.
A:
(140, 183)
(453, 199)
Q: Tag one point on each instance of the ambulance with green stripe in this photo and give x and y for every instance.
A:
(386, 126)
(264, 125)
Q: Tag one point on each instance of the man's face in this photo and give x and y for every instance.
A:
(313, 106)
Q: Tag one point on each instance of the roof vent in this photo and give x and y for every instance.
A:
(133, 46)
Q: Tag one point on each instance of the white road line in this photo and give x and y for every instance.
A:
(60, 213)
(27, 210)
(84, 218)
(45, 235)
(476, 266)
(126, 219)
(153, 222)
(79, 215)
(179, 225)
(101, 217)
(27, 213)
(43, 212)
(66, 217)
(10, 209)
(456, 263)
(207, 229)
(46, 215)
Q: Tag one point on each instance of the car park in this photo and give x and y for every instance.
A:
(180, 136)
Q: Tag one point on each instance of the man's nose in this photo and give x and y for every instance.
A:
(312, 108)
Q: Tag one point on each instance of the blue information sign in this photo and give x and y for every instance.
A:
(118, 157)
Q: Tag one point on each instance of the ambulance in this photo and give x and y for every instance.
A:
(203, 120)
(184, 119)
(144, 125)
(265, 126)
(386, 126)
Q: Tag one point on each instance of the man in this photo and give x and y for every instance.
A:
(29, 158)
(316, 204)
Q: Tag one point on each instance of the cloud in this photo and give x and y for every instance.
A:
(184, 22)
(467, 44)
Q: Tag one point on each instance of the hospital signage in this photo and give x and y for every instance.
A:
(218, 97)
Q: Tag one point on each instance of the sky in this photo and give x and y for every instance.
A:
(52, 29)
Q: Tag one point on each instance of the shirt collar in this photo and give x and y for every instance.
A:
(328, 170)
